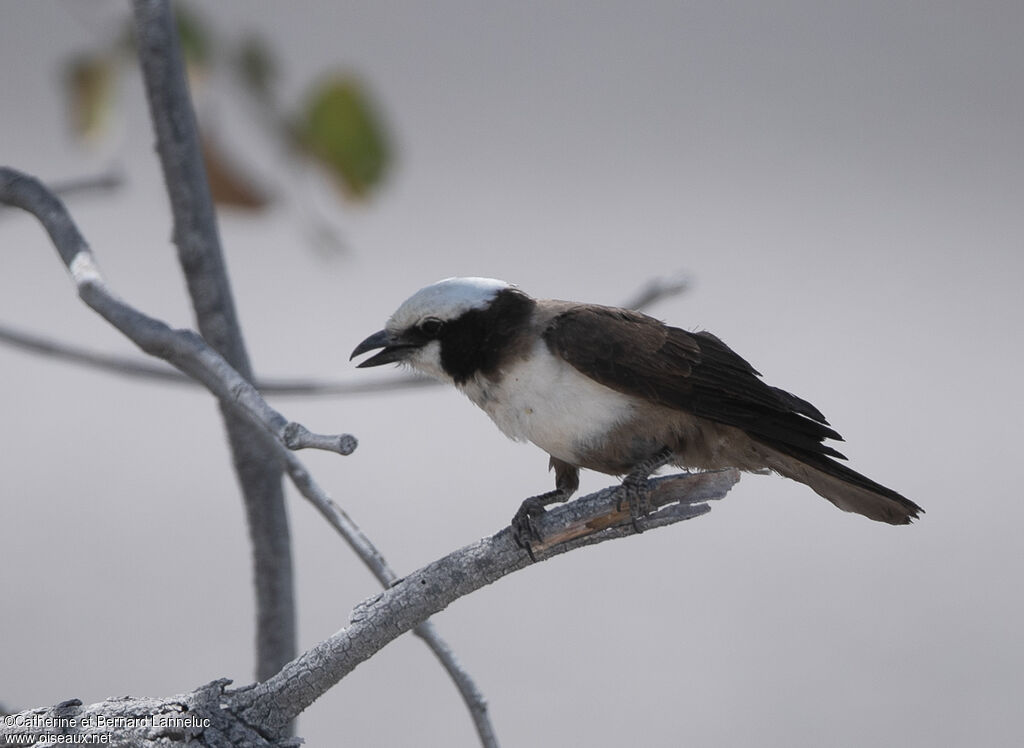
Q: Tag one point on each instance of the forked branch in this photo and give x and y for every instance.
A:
(183, 349)
(189, 352)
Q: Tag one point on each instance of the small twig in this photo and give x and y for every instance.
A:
(125, 365)
(657, 289)
(107, 181)
(312, 387)
(142, 369)
(297, 436)
(374, 560)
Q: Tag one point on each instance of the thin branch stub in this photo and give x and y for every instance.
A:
(297, 436)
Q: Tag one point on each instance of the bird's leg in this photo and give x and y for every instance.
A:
(567, 480)
(524, 531)
(634, 486)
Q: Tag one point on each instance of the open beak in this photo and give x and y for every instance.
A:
(395, 349)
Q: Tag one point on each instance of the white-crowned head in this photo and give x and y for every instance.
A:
(411, 335)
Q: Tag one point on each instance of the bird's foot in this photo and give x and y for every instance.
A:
(524, 530)
(634, 491)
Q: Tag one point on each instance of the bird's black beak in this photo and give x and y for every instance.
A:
(395, 349)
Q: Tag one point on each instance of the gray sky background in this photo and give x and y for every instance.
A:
(844, 183)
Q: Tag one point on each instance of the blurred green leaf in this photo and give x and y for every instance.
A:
(340, 129)
(257, 65)
(89, 80)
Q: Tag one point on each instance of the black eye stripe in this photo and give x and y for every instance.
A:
(431, 326)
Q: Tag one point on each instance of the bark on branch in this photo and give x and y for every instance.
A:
(192, 719)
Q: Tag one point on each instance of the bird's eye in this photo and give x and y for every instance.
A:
(431, 327)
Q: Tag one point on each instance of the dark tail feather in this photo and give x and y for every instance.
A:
(846, 488)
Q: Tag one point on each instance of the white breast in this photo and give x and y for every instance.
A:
(548, 402)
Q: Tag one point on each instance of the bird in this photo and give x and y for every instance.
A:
(616, 391)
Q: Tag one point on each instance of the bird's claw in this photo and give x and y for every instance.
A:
(524, 530)
(634, 493)
(634, 488)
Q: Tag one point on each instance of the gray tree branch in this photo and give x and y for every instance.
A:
(260, 713)
(199, 253)
(374, 623)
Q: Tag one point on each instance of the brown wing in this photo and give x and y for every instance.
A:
(694, 372)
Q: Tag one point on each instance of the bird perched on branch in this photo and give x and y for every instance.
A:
(616, 391)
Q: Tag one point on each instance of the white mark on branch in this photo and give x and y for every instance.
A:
(84, 270)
